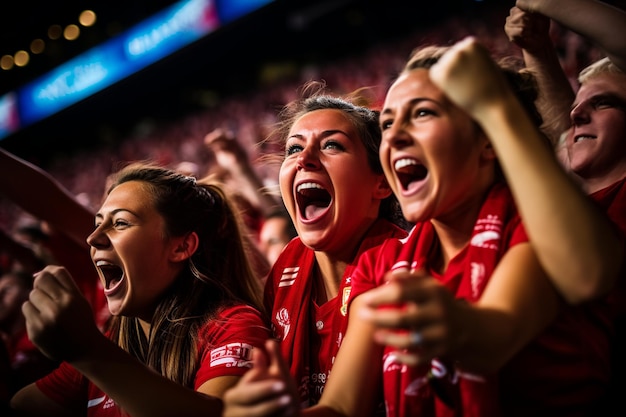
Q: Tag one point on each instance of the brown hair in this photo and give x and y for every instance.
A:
(314, 95)
(217, 275)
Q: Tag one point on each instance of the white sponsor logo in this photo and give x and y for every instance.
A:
(289, 276)
(232, 355)
(96, 401)
(487, 232)
(482, 239)
(477, 276)
(282, 317)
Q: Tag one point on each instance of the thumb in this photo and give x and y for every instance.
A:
(277, 366)
(259, 369)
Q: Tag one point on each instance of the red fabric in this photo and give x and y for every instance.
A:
(416, 391)
(225, 347)
(310, 335)
(568, 368)
(228, 343)
(613, 201)
(563, 372)
(27, 363)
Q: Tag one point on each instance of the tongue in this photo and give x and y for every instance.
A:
(313, 210)
(114, 283)
(410, 187)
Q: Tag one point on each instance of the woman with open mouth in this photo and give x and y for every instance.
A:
(462, 318)
(334, 189)
(185, 305)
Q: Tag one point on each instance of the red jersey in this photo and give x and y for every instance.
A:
(567, 370)
(27, 362)
(612, 200)
(562, 372)
(225, 350)
(311, 334)
(439, 390)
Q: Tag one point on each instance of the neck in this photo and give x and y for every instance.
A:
(331, 272)
(594, 184)
(454, 231)
(452, 240)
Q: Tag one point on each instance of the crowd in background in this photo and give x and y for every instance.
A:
(232, 142)
(252, 115)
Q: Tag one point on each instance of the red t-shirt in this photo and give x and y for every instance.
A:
(563, 372)
(311, 334)
(612, 200)
(27, 363)
(411, 391)
(567, 370)
(229, 340)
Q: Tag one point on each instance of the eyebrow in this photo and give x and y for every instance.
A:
(413, 102)
(114, 212)
(323, 134)
(616, 100)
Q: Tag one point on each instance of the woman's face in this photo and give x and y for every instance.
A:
(330, 191)
(131, 252)
(435, 158)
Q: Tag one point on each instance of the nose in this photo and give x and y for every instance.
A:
(308, 159)
(579, 114)
(98, 239)
(396, 135)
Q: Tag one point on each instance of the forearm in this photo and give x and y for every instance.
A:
(575, 242)
(506, 318)
(42, 196)
(139, 390)
(254, 189)
(555, 91)
(602, 23)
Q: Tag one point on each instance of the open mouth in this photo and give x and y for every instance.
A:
(409, 172)
(312, 200)
(113, 276)
(580, 138)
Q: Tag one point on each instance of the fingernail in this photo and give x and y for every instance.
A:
(284, 399)
(278, 386)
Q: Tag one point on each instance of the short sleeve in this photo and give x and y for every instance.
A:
(228, 341)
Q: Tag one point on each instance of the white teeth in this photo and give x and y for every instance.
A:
(103, 263)
(401, 163)
(579, 138)
(308, 185)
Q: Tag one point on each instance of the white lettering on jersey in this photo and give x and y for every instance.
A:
(232, 355)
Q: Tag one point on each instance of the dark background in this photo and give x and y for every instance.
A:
(228, 61)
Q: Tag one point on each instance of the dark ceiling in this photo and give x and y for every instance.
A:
(226, 61)
(23, 21)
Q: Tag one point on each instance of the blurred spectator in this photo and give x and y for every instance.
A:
(276, 231)
(67, 223)
(27, 363)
